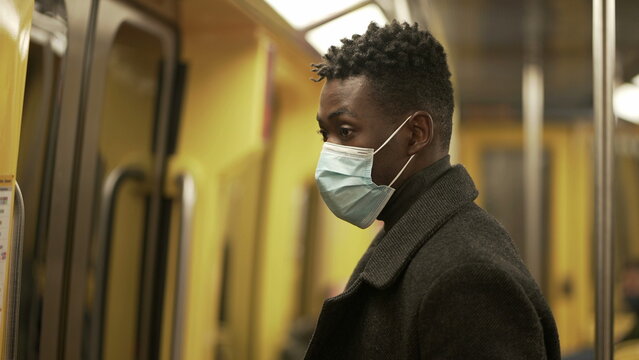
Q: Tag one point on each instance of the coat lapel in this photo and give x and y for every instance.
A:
(364, 260)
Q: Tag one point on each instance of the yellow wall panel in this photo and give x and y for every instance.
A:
(15, 25)
(221, 124)
(292, 161)
(293, 157)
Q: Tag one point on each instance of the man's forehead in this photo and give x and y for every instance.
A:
(343, 95)
(336, 113)
(346, 85)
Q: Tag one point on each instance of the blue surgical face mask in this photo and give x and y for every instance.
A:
(343, 176)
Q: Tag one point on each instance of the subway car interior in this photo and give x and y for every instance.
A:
(160, 159)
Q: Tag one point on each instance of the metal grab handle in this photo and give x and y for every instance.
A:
(186, 184)
(110, 189)
(13, 306)
(603, 46)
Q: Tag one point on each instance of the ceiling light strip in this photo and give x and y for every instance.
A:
(337, 15)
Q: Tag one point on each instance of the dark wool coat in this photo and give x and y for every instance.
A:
(445, 282)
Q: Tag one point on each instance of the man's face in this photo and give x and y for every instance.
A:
(348, 115)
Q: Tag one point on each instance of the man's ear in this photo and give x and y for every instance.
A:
(422, 131)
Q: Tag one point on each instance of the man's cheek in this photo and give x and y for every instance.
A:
(379, 172)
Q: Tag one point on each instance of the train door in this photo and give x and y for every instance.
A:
(39, 129)
(112, 279)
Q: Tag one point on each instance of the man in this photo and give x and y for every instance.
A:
(443, 279)
(630, 292)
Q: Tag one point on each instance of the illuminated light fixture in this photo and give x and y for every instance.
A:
(301, 14)
(355, 22)
(9, 19)
(625, 101)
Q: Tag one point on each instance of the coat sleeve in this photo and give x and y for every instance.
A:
(478, 311)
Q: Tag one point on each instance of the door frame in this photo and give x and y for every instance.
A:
(110, 17)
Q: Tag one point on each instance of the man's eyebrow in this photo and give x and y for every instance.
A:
(338, 112)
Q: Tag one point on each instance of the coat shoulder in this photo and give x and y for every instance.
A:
(472, 256)
(471, 236)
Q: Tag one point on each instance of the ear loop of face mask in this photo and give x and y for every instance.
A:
(386, 142)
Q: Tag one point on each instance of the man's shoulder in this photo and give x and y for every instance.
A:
(472, 236)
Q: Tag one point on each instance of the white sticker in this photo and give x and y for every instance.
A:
(6, 201)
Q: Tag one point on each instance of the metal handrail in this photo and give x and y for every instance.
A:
(603, 44)
(13, 306)
(533, 119)
(186, 184)
(112, 185)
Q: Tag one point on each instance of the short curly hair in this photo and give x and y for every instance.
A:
(406, 67)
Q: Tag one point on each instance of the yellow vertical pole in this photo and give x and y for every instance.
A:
(15, 25)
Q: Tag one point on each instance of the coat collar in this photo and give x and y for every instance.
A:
(432, 209)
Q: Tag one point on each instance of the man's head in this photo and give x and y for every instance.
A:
(630, 285)
(377, 80)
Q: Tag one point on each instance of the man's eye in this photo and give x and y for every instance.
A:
(323, 134)
(345, 132)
